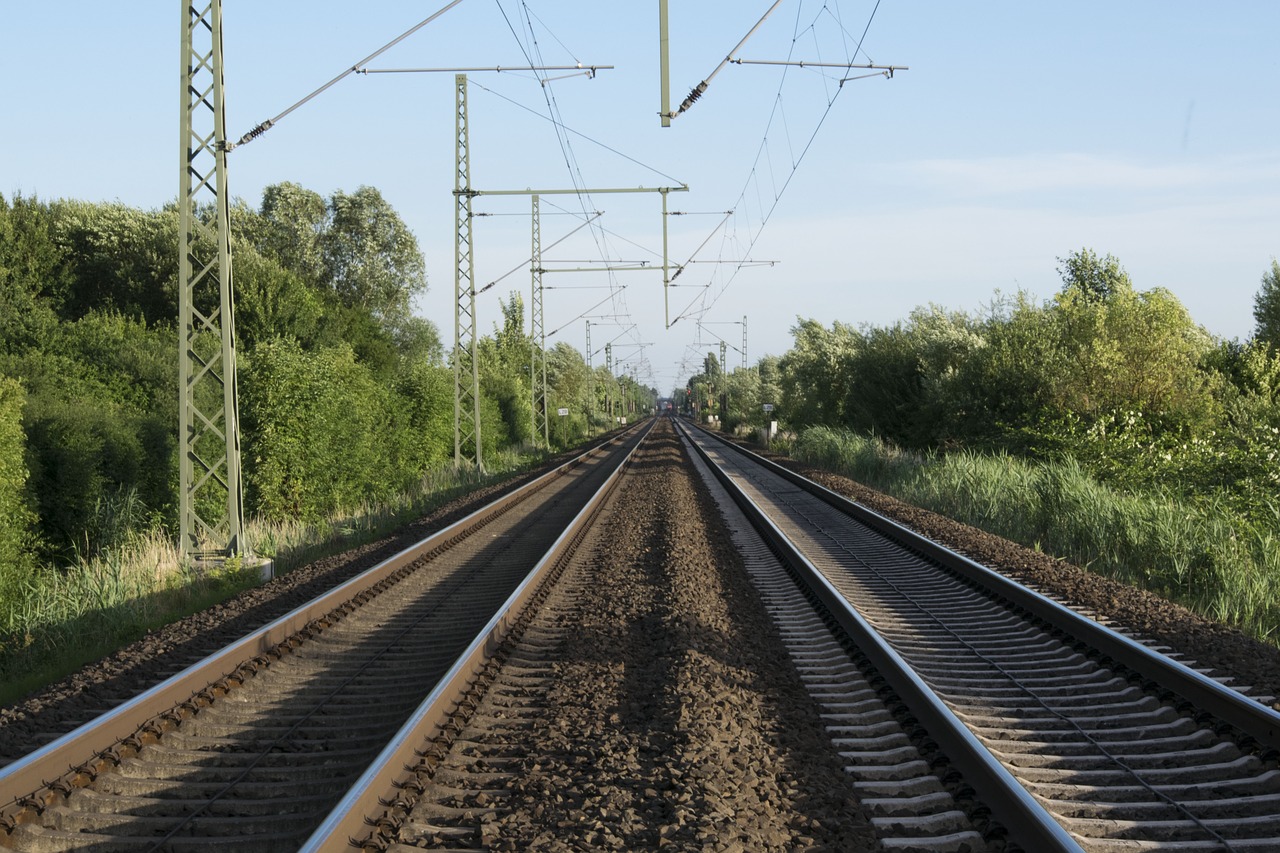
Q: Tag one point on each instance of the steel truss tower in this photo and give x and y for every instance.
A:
(211, 503)
(591, 375)
(538, 338)
(608, 368)
(466, 365)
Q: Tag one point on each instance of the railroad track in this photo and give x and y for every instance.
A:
(249, 749)
(958, 711)
(1072, 736)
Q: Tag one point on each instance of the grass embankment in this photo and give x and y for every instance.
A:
(63, 618)
(1197, 553)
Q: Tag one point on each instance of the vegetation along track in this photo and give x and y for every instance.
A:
(249, 750)
(1099, 743)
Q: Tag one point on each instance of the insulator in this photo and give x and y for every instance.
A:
(694, 95)
(256, 132)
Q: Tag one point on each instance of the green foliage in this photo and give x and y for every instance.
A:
(345, 402)
(1005, 387)
(33, 266)
(82, 455)
(16, 518)
(814, 389)
(886, 390)
(293, 223)
(121, 259)
(99, 423)
(569, 387)
(1094, 279)
(505, 360)
(319, 432)
(426, 392)
(1136, 350)
(1266, 307)
(417, 340)
(370, 256)
(273, 301)
(1119, 381)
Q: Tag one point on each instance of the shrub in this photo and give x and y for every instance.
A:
(319, 432)
(16, 518)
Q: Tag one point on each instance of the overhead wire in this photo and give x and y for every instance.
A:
(796, 161)
(553, 111)
(271, 122)
(518, 267)
(579, 133)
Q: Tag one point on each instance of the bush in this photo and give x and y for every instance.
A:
(16, 518)
(319, 433)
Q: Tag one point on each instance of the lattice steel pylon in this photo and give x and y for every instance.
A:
(591, 375)
(608, 369)
(211, 502)
(466, 366)
(538, 337)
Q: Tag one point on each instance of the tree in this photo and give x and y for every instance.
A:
(272, 301)
(813, 392)
(569, 387)
(371, 258)
(770, 379)
(1266, 307)
(33, 266)
(99, 421)
(294, 222)
(121, 259)
(504, 375)
(1096, 279)
(322, 433)
(1137, 351)
(427, 393)
(16, 518)
(1005, 386)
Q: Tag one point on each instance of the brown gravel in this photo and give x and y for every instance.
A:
(676, 720)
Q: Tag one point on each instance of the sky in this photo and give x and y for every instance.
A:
(1018, 133)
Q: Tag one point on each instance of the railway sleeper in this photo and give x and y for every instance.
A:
(1097, 760)
(1243, 786)
(35, 839)
(1216, 808)
(1256, 827)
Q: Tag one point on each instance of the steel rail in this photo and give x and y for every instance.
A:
(1249, 716)
(350, 823)
(53, 765)
(1011, 804)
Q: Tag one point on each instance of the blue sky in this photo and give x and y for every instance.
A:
(1022, 131)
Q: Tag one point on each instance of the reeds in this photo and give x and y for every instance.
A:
(61, 617)
(1199, 553)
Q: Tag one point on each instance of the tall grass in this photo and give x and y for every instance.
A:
(61, 617)
(1198, 553)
